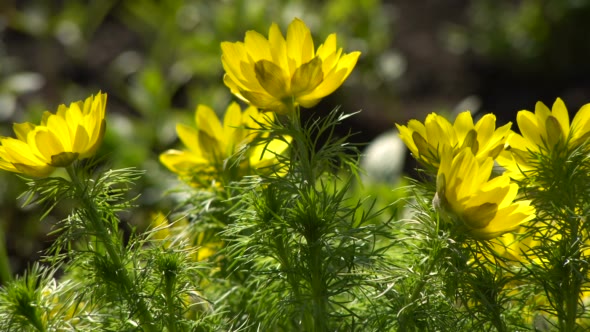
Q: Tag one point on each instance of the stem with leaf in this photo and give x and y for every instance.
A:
(108, 235)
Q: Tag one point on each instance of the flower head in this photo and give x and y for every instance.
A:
(212, 144)
(73, 132)
(427, 140)
(544, 131)
(485, 206)
(277, 74)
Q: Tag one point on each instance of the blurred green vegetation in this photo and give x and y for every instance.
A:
(529, 36)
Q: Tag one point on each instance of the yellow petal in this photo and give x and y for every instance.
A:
(257, 46)
(307, 77)
(94, 122)
(278, 48)
(208, 122)
(463, 124)
(73, 117)
(189, 137)
(34, 170)
(272, 79)
(22, 130)
(251, 116)
(541, 112)
(330, 63)
(265, 102)
(81, 141)
(479, 216)
(299, 43)
(334, 79)
(327, 48)
(233, 128)
(19, 152)
(265, 155)
(581, 123)
(529, 128)
(470, 142)
(493, 146)
(47, 143)
(554, 131)
(439, 132)
(4, 165)
(424, 148)
(234, 87)
(95, 140)
(308, 103)
(405, 134)
(234, 59)
(61, 130)
(181, 162)
(507, 219)
(61, 110)
(211, 148)
(415, 125)
(485, 128)
(559, 111)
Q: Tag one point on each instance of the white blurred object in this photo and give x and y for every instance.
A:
(7, 106)
(383, 159)
(23, 82)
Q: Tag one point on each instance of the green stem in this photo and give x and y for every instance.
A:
(318, 288)
(109, 240)
(572, 289)
(170, 280)
(37, 321)
(317, 315)
(300, 149)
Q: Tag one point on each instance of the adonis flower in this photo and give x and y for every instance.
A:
(485, 207)
(544, 131)
(74, 132)
(277, 74)
(211, 145)
(427, 140)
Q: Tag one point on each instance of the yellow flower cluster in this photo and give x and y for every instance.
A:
(211, 146)
(275, 74)
(425, 141)
(278, 74)
(463, 156)
(73, 132)
(544, 131)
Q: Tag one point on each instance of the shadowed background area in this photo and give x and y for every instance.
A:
(158, 60)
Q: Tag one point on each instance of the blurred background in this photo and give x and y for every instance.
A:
(158, 59)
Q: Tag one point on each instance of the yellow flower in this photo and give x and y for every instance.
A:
(515, 247)
(277, 74)
(427, 140)
(212, 144)
(74, 132)
(203, 243)
(485, 207)
(544, 131)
